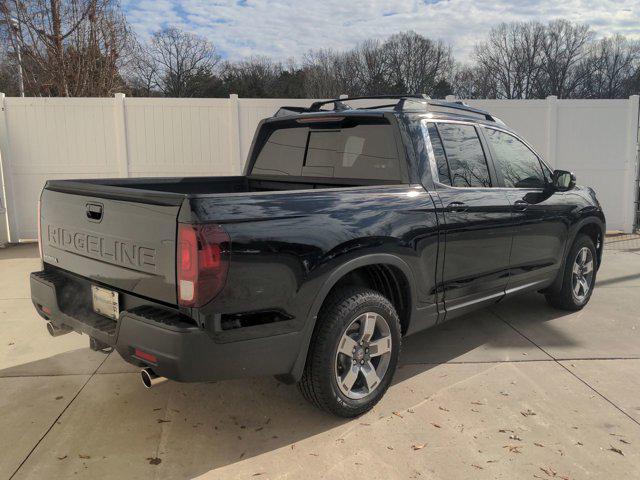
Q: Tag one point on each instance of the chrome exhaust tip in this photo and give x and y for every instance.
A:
(150, 379)
(57, 331)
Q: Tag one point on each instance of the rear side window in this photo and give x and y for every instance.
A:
(362, 151)
(519, 166)
(464, 154)
(444, 175)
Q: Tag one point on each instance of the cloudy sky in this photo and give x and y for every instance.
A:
(284, 29)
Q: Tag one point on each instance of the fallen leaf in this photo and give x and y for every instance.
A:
(84, 456)
(154, 460)
(549, 471)
(614, 449)
(436, 425)
(418, 446)
(62, 458)
(513, 448)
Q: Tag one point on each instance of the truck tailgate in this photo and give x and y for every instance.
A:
(124, 244)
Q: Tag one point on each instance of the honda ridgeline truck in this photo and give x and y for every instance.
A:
(351, 228)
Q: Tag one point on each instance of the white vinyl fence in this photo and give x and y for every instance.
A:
(55, 138)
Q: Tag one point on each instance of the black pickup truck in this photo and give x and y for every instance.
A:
(351, 228)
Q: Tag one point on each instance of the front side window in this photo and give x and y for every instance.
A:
(467, 162)
(519, 166)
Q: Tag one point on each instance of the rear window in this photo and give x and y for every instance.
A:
(361, 151)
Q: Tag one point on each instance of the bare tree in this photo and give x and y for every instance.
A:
(610, 63)
(416, 64)
(177, 63)
(511, 54)
(474, 82)
(69, 47)
(563, 50)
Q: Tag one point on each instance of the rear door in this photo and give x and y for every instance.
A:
(540, 215)
(122, 244)
(476, 218)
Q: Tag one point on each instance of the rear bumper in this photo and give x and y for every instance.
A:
(183, 351)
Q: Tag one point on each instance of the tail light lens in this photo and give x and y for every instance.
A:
(39, 230)
(203, 262)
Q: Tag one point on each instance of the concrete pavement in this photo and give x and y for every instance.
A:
(516, 391)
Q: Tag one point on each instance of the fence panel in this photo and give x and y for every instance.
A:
(45, 138)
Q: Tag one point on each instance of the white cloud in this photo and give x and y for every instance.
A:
(284, 29)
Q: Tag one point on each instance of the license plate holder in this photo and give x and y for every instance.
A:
(105, 302)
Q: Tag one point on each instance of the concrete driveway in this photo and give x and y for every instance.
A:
(516, 391)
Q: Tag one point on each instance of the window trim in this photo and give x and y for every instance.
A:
(434, 164)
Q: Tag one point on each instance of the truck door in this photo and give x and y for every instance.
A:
(540, 215)
(476, 219)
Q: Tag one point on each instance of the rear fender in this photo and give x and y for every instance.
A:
(334, 278)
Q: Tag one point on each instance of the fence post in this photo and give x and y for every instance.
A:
(9, 228)
(236, 134)
(552, 129)
(633, 168)
(120, 119)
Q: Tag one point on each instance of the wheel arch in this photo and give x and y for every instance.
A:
(592, 226)
(399, 266)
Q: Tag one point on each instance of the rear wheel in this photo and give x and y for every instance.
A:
(353, 354)
(579, 276)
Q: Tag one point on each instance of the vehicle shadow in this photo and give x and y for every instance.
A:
(196, 428)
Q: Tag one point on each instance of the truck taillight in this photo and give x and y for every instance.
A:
(202, 263)
(39, 230)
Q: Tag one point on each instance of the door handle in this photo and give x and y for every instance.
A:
(457, 207)
(520, 205)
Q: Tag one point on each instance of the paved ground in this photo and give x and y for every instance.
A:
(517, 391)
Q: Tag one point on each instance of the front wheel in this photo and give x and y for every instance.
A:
(354, 353)
(579, 276)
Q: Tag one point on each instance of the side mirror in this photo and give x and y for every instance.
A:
(563, 180)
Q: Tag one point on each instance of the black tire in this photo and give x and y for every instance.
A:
(565, 298)
(319, 383)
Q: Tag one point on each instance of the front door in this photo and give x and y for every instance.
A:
(539, 214)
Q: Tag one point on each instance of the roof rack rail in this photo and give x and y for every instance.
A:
(424, 100)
